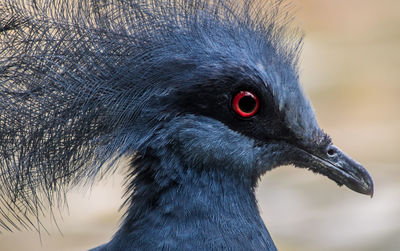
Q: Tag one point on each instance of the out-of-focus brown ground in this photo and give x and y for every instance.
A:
(350, 70)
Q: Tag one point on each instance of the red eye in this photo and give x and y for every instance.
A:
(245, 104)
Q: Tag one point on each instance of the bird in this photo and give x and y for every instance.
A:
(202, 97)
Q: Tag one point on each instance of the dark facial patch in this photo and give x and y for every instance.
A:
(214, 100)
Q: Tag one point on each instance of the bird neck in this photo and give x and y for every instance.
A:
(177, 207)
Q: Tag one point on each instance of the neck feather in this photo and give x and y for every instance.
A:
(185, 207)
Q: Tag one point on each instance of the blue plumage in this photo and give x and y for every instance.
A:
(84, 83)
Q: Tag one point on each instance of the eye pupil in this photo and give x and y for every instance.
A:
(245, 104)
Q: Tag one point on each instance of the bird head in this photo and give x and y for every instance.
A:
(233, 101)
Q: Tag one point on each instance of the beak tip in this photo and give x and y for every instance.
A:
(371, 192)
(363, 184)
(369, 189)
(370, 184)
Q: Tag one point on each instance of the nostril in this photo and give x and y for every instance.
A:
(331, 151)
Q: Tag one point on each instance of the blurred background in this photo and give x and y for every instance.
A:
(350, 69)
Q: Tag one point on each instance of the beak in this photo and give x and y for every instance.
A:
(340, 168)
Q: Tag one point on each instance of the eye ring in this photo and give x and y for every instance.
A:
(245, 104)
